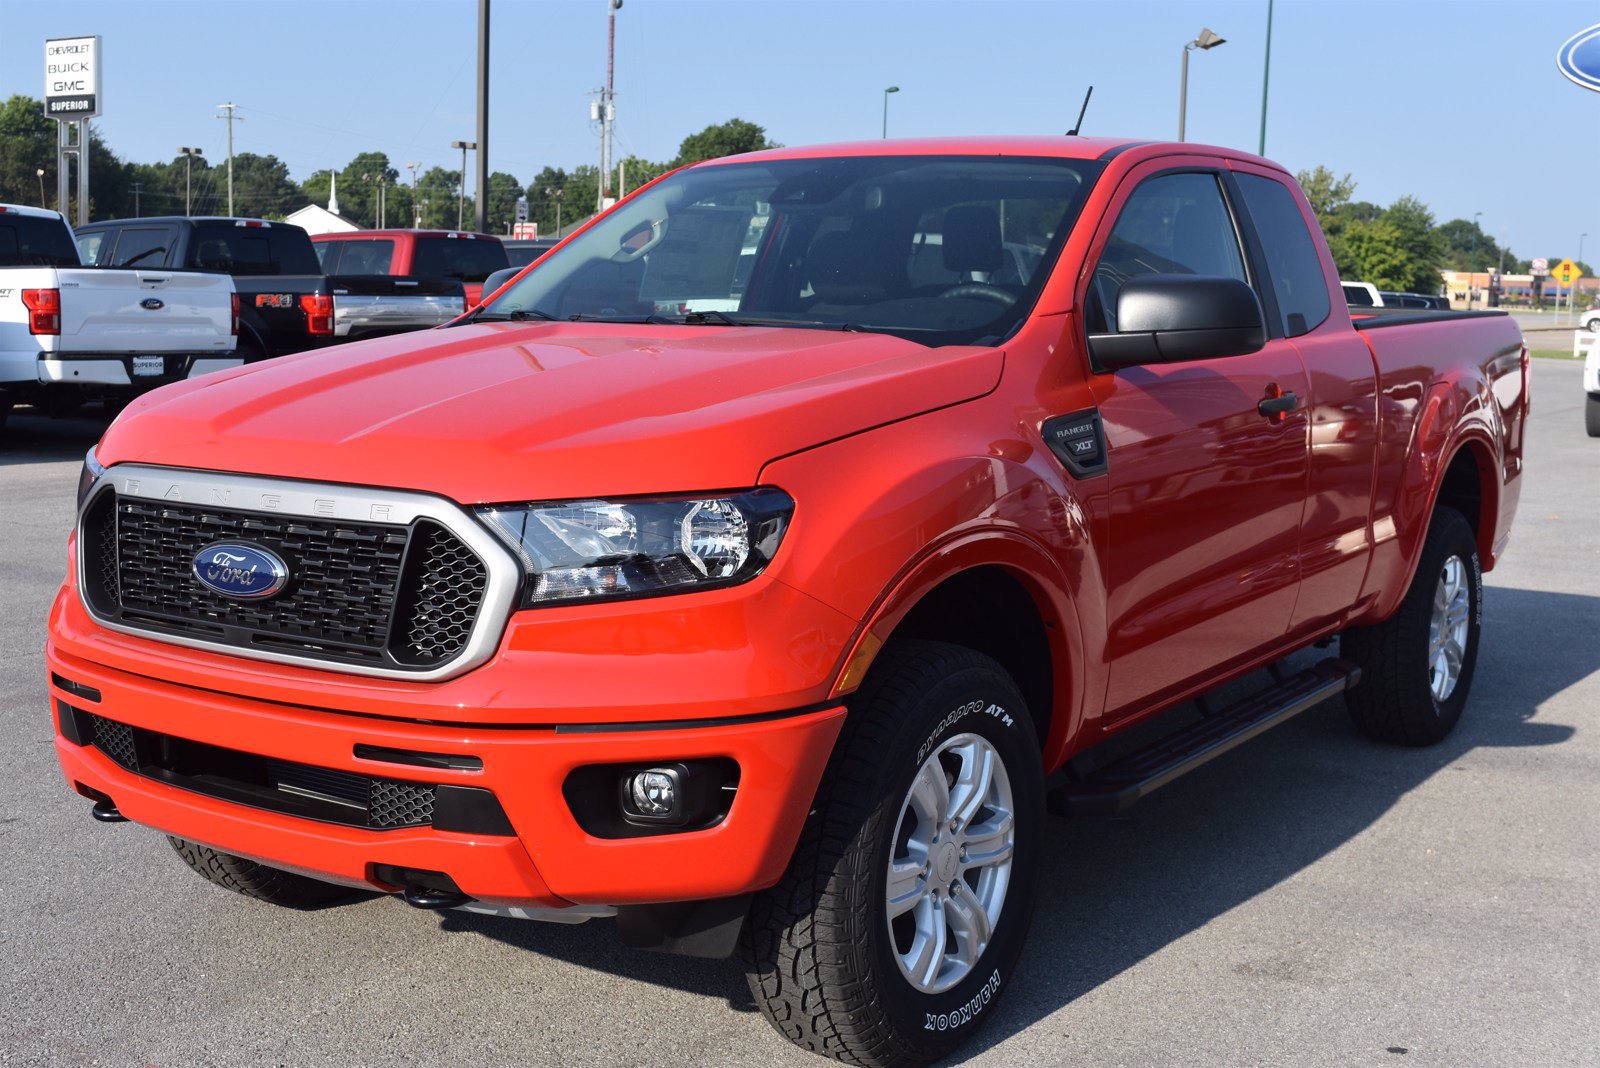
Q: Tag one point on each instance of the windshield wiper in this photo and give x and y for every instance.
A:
(520, 315)
(720, 318)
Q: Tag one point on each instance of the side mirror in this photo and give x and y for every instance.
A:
(1170, 318)
(499, 278)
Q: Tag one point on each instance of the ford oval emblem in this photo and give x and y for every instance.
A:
(152, 304)
(1579, 58)
(240, 570)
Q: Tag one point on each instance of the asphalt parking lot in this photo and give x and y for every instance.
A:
(1310, 899)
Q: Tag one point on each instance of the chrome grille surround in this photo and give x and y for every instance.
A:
(325, 502)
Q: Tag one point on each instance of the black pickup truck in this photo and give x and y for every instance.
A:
(286, 303)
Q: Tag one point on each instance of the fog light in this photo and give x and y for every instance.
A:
(658, 793)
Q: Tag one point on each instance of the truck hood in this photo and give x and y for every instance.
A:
(543, 411)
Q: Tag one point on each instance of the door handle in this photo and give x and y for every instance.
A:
(1278, 408)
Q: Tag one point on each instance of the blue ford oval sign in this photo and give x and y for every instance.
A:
(240, 570)
(1579, 58)
(152, 304)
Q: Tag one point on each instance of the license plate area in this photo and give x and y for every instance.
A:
(149, 366)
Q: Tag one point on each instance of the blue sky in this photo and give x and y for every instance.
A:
(1459, 103)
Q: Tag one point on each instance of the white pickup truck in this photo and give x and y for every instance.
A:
(68, 332)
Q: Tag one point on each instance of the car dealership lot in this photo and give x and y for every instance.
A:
(1310, 899)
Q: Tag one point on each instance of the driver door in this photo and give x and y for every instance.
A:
(1206, 491)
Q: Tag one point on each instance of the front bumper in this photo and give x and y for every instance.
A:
(550, 861)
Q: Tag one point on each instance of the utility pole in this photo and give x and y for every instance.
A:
(416, 205)
(1472, 260)
(1266, 74)
(188, 178)
(461, 204)
(136, 187)
(608, 106)
(556, 194)
(480, 214)
(229, 108)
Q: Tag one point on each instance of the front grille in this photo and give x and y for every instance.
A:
(113, 739)
(384, 595)
(393, 803)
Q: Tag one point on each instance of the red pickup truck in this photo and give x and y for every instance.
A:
(782, 623)
(430, 254)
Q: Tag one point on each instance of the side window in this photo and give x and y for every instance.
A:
(328, 255)
(1172, 224)
(89, 247)
(1292, 260)
(143, 246)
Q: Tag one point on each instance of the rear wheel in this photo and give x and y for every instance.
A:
(258, 880)
(1417, 666)
(905, 907)
(1591, 415)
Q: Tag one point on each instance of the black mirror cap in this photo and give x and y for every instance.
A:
(1171, 318)
(498, 279)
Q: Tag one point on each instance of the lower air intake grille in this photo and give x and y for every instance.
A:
(325, 794)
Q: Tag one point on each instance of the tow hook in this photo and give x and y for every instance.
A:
(423, 897)
(106, 812)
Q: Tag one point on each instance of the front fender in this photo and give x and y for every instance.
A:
(883, 517)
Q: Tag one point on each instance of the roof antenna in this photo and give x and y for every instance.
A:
(1074, 131)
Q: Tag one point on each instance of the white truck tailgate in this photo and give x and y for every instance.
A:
(144, 311)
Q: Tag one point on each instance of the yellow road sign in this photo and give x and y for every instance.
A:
(1566, 272)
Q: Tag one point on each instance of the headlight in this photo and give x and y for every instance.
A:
(86, 478)
(589, 550)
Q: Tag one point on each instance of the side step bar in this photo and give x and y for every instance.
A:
(1124, 781)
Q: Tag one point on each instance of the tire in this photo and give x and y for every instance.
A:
(1591, 414)
(1402, 699)
(821, 952)
(259, 881)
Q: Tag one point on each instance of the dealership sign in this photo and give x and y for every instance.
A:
(1579, 58)
(72, 78)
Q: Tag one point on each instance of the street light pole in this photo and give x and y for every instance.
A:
(481, 208)
(416, 205)
(1472, 260)
(188, 178)
(886, 92)
(461, 205)
(40, 172)
(1205, 42)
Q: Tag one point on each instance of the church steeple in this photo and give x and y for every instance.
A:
(333, 192)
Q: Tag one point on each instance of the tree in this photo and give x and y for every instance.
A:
(1378, 255)
(439, 190)
(1326, 192)
(261, 188)
(723, 139)
(502, 202)
(1414, 231)
(358, 189)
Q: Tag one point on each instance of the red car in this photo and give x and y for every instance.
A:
(430, 254)
(753, 573)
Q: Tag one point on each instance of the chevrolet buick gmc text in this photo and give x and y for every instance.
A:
(778, 630)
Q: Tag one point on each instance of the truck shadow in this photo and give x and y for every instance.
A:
(1115, 891)
(31, 437)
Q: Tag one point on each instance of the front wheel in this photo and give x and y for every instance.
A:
(907, 902)
(1417, 666)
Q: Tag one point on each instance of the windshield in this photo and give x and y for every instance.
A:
(936, 249)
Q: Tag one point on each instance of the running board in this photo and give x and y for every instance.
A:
(1124, 781)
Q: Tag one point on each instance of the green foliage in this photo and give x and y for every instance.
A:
(502, 202)
(1326, 192)
(1377, 254)
(723, 139)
